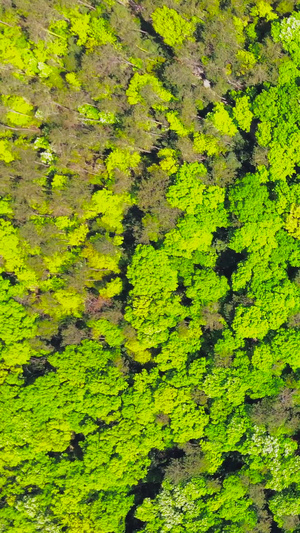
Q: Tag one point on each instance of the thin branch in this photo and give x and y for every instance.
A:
(128, 62)
(52, 33)
(36, 130)
(124, 4)
(100, 269)
(237, 85)
(64, 107)
(86, 5)
(6, 24)
(143, 151)
(142, 49)
(140, 31)
(19, 113)
(41, 163)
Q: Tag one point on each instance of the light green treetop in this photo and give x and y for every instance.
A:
(172, 27)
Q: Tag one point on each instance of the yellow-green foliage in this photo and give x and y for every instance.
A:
(169, 162)
(102, 264)
(172, 27)
(264, 10)
(242, 113)
(110, 207)
(91, 31)
(141, 81)
(206, 144)
(92, 113)
(112, 288)
(14, 255)
(6, 154)
(292, 223)
(246, 59)
(222, 120)
(123, 160)
(20, 112)
(177, 125)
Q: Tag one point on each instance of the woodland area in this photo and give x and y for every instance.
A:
(150, 266)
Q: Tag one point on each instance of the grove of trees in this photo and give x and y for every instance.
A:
(150, 266)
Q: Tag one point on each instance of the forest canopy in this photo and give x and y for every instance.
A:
(150, 266)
